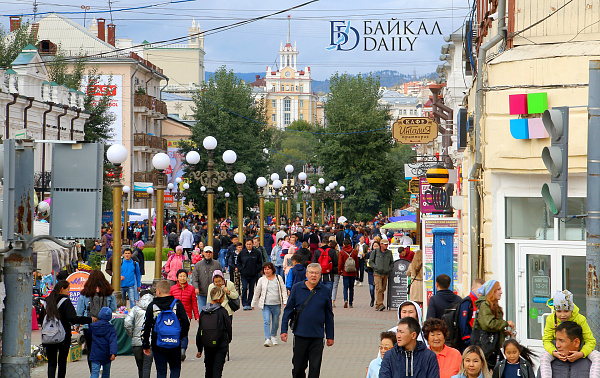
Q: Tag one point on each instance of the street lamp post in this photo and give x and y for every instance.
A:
(276, 186)
(342, 189)
(240, 179)
(304, 193)
(177, 192)
(322, 198)
(117, 154)
(312, 191)
(126, 189)
(211, 178)
(261, 182)
(160, 162)
(227, 205)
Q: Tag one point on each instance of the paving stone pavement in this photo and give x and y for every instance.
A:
(356, 340)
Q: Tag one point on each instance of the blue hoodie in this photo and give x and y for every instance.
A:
(131, 271)
(295, 275)
(399, 363)
(104, 338)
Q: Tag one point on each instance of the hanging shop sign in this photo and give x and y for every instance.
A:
(415, 130)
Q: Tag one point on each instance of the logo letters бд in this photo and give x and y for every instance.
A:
(342, 34)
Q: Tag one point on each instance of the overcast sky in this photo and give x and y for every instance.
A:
(253, 47)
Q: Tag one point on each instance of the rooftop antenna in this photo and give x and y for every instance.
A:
(110, 10)
(288, 37)
(85, 9)
(35, 9)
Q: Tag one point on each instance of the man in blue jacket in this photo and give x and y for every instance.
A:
(409, 357)
(314, 322)
(131, 277)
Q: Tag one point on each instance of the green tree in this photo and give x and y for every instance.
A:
(296, 145)
(357, 153)
(11, 43)
(226, 110)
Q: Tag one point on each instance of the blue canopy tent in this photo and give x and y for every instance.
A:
(107, 216)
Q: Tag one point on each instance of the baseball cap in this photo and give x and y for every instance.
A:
(384, 241)
(332, 238)
(208, 248)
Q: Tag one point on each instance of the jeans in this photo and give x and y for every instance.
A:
(57, 355)
(96, 370)
(130, 291)
(308, 351)
(279, 270)
(143, 362)
(164, 356)
(372, 292)
(184, 344)
(329, 285)
(349, 289)
(222, 259)
(271, 319)
(201, 301)
(248, 284)
(336, 282)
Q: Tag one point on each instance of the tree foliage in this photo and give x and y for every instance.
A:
(360, 157)
(225, 109)
(296, 145)
(11, 43)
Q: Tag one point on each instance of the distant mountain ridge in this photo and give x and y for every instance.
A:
(389, 78)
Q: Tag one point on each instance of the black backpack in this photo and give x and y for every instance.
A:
(95, 304)
(210, 328)
(451, 316)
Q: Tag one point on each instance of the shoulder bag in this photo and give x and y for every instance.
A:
(487, 341)
(234, 304)
(296, 313)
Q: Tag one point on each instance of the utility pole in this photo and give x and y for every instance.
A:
(592, 248)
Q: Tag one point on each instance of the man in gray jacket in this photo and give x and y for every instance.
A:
(569, 339)
(382, 263)
(134, 324)
(202, 274)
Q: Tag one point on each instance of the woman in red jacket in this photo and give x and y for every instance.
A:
(185, 292)
(348, 270)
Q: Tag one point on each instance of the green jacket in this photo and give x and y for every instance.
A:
(488, 322)
(589, 342)
(381, 262)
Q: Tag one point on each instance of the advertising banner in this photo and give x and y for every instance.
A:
(425, 199)
(77, 280)
(139, 190)
(113, 85)
(428, 278)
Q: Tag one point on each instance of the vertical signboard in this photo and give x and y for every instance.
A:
(76, 281)
(176, 168)
(428, 225)
(113, 86)
(425, 196)
(398, 284)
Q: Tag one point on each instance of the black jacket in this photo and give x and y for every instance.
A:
(163, 303)
(224, 325)
(249, 263)
(305, 253)
(68, 316)
(442, 300)
(524, 366)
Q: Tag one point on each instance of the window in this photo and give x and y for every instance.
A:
(273, 117)
(301, 88)
(301, 104)
(301, 116)
(287, 105)
(296, 88)
(287, 87)
(273, 104)
(273, 88)
(287, 118)
(404, 112)
(283, 88)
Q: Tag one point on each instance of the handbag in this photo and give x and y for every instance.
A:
(234, 304)
(487, 341)
(296, 313)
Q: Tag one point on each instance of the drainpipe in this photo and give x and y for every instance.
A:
(474, 174)
(44, 148)
(73, 120)
(65, 107)
(25, 111)
(7, 127)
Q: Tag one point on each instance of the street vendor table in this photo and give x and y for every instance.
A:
(123, 340)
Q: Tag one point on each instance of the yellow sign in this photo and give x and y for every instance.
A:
(74, 353)
(415, 130)
(413, 186)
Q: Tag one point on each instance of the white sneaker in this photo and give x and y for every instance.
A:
(268, 343)
(273, 340)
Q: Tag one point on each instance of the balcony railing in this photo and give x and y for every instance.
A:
(146, 140)
(146, 177)
(150, 103)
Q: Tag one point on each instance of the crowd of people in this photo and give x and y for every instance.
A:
(293, 278)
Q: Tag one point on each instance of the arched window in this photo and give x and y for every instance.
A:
(46, 47)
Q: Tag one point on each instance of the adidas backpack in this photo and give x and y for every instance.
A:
(167, 327)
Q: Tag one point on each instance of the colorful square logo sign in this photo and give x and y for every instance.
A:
(525, 104)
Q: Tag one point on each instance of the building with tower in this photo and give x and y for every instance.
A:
(286, 90)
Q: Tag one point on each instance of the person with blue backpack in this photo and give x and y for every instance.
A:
(167, 321)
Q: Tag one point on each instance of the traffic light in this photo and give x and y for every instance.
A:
(556, 159)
